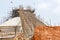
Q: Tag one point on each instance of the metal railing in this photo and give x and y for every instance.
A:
(3, 19)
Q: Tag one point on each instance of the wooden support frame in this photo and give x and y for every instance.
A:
(3, 28)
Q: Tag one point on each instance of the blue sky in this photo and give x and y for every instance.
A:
(49, 10)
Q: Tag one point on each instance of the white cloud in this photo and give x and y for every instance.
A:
(42, 6)
(57, 1)
(56, 10)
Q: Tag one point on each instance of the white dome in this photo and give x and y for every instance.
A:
(12, 22)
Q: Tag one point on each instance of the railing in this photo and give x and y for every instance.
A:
(8, 31)
(3, 19)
